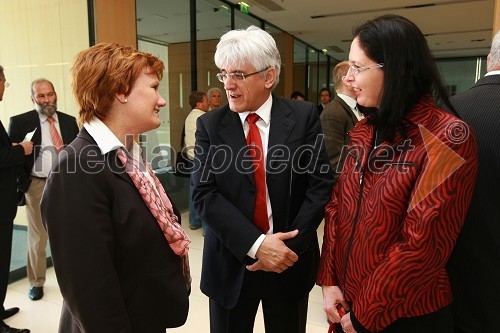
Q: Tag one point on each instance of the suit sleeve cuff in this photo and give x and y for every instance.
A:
(253, 250)
(357, 325)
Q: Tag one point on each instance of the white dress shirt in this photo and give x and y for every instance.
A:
(263, 124)
(48, 153)
(352, 104)
(107, 141)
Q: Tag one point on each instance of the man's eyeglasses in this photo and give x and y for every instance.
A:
(240, 77)
(356, 69)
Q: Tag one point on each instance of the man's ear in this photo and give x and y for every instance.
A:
(270, 77)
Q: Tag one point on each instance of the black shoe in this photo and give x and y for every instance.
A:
(9, 313)
(7, 329)
(36, 293)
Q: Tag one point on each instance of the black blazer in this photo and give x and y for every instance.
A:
(474, 265)
(26, 122)
(224, 196)
(11, 157)
(115, 269)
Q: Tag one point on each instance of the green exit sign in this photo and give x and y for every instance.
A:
(244, 8)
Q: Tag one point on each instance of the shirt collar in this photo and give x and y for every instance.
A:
(105, 139)
(348, 100)
(43, 117)
(264, 112)
(493, 73)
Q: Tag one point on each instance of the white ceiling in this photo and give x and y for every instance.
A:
(454, 28)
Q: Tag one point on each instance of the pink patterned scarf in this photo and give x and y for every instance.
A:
(160, 207)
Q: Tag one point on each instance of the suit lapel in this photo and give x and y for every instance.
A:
(282, 124)
(111, 159)
(64, 127)
(116, 166)
(231, 133)
(34, 122)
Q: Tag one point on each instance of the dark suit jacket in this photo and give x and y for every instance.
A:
(10, 158)
(337, 119)
(26, 122)
(115, 269)
(474, 266)
(224, 196)
(320, 108)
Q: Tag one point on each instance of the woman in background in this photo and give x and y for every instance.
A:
(400, 202)
(119, 253)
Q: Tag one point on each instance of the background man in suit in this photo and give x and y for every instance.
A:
(324, 96)
(261, 182)
(31, 178)
(476, 302)
(11, 156)
(339, 116)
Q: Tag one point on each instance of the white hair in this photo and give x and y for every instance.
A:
(211, 90)
(494, 62)
(251, 46)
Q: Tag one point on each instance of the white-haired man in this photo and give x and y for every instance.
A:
(262, 180)
(214, 96)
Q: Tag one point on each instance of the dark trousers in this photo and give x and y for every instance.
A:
(5, 252)
(280, 314)
(440, 321)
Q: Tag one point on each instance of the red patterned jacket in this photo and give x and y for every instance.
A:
(395, 214)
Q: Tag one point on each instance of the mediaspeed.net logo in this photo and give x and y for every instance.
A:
(442, 160)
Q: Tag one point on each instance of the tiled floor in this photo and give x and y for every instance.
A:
(43, 316)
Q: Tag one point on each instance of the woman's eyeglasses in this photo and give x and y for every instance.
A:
(357, 69)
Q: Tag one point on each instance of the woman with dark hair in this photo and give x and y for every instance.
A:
(401, 199)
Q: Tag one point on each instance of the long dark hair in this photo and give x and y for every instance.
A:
(410, 71)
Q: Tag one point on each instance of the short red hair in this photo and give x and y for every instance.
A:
(104, 70)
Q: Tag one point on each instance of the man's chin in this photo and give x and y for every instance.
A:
(49, 111)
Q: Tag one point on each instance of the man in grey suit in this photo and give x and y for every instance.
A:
(261, 183)
(339, 117)
(474, 266)
(47, 123)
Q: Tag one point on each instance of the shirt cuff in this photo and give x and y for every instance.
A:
(253, 250)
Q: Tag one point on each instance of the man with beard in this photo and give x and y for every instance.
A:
(52, 130)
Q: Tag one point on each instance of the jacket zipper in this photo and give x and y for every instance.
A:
(351, 239)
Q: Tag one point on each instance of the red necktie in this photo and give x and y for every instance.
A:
(54, 134)
(254, 143)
